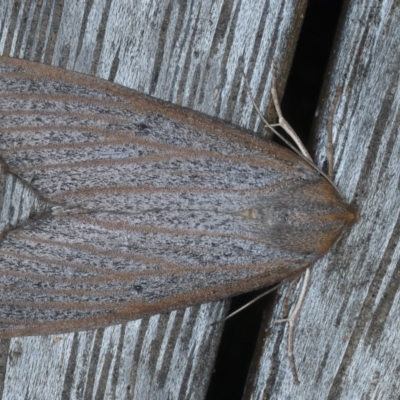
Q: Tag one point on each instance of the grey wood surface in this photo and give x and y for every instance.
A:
(347, 337)
(191, 53)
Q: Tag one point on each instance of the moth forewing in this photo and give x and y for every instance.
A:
(149, 207)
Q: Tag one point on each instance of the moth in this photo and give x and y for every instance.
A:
(117, 205)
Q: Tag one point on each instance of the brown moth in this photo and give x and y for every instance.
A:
(133, 206)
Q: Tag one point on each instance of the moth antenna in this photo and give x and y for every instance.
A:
(329, 145)
(248, 304)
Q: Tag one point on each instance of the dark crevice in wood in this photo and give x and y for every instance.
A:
(236, 349)
(299, 105)
(4, 351)
(307, 74)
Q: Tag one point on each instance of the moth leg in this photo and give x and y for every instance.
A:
(285, 125)
(248, 304)
(291, 320)
(282, 123)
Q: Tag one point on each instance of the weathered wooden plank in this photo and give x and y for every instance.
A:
(190, 53)
(348, 331)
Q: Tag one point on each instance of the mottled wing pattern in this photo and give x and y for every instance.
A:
(134, 206)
